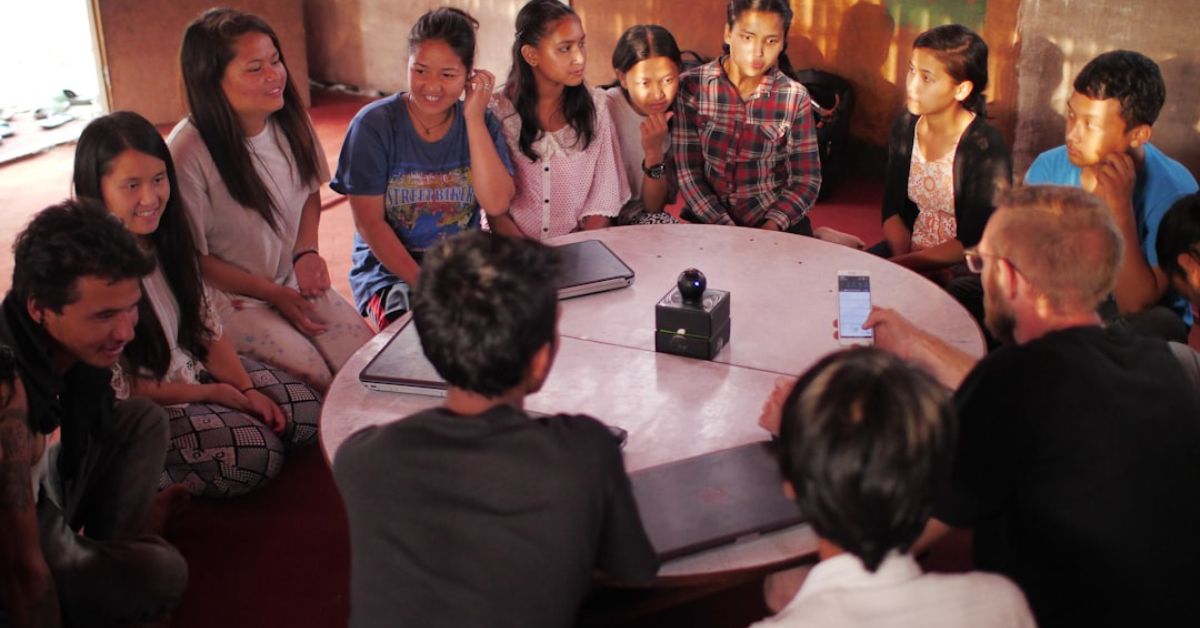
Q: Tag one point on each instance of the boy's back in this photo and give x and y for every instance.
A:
(487, 520)
(840, 593)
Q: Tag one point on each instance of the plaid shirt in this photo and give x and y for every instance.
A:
(744, 163)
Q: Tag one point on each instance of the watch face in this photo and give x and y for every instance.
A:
(655, 171)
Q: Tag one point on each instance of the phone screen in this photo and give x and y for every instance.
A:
(854, 305)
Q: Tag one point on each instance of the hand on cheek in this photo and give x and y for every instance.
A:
(1116, 176)
(654, 131)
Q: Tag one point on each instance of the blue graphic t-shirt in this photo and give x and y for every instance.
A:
(427, 188)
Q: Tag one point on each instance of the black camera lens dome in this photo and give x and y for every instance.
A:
(691, 285)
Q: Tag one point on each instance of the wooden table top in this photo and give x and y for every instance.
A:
(783, 303)
(783, 292)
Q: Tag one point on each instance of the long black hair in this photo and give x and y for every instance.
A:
(965, 55)
(208, 47)
(533, 22)
(100, 143)
(782, 8)
(641, 42)
(453, 26)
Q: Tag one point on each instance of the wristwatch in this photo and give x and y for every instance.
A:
(656, 171)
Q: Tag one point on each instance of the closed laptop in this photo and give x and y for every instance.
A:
(588, 267)
(401, 366)
(714, 499)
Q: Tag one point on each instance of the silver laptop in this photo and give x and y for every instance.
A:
(588, 267)
(401, 366)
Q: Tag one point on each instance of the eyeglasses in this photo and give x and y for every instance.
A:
(974, 258)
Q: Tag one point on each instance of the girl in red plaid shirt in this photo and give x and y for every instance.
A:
(745, 140)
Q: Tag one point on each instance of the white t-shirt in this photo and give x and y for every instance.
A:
(628, 123)
(183, 368)
(227, 229)
(629, 132)
(840, 592)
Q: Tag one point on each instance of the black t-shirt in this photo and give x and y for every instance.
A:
(489, 520)
(1079, 468)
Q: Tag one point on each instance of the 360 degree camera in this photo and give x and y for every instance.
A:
(691, 284)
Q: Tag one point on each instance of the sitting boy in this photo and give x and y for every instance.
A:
(1178, 249)
(473, 513)
(1117, 98)
(80, 517)
(1178, 246)
(865, 439)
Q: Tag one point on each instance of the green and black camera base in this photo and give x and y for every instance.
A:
(693, 329)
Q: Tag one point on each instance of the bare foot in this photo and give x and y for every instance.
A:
(829, 234)
(169, 502)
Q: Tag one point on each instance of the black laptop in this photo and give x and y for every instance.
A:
(589, 267)
(401, 366)
(715, 499)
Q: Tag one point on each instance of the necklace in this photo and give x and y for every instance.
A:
(426, 128)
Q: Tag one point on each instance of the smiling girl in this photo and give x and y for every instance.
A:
(647, 61)
(945, 162)
(569, 174)
(250, 170)
(179, 357)
(419, 165)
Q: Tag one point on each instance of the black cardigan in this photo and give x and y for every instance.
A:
(982, 166)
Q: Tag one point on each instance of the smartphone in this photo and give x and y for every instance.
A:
(854, 306)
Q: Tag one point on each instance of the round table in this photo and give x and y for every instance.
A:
(783, 303)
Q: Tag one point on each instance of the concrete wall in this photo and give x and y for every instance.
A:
(1059, 36)
(364, 43)
(1041, 42)
(139, 41)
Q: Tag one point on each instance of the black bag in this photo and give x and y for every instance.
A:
(692, 59)
(833, 102)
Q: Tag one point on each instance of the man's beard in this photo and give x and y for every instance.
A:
(997, 315)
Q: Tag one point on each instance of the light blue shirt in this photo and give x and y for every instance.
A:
(1160, 183)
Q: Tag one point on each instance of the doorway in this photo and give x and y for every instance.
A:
(50, 83)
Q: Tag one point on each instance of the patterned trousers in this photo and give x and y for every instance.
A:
(260, 332)
(216, 451)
